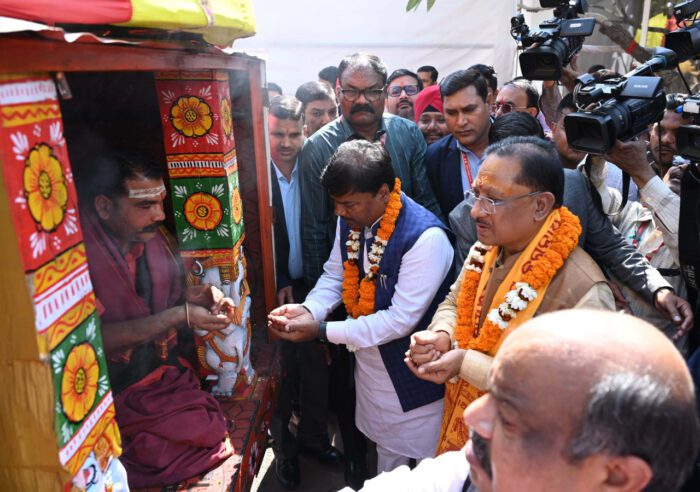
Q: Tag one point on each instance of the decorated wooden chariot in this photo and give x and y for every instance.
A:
(156, 76)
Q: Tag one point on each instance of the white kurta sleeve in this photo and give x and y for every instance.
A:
(446, 473)
(327, 293)
(422, 271)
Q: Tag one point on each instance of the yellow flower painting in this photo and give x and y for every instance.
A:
(45, 187)
(203, 211)
(237, 206)
(79, 383)
(226, 121)
(191, 116)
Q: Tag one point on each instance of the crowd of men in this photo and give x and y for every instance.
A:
(444, 264)
(404, 316)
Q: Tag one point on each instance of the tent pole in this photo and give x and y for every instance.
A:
(645, 23)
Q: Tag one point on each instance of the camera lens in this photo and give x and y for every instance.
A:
(545, 62)
(587, 132)
(685, 41)
(688, 141)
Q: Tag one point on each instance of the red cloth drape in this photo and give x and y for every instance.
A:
(68, 11)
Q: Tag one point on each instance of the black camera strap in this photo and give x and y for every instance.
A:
(625, 191)
(689, 232)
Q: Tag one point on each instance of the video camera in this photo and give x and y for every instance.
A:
(688, 136)
(626, 105)
(558, 39)
(686, 43)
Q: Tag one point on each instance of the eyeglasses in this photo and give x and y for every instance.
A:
(489, 205)
(372, 95)
(395, 90)
(506, 107)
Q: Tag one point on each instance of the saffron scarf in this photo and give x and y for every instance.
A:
(537, 265)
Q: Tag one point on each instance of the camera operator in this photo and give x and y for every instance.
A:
(572, 158)
(551, 92)
(652, 225)
(662, 139)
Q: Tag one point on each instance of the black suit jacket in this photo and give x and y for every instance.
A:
(281, 237)
(443, 162)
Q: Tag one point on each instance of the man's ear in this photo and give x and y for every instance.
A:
(104, 207)
(544, 202)
(532, 111)
(627, 474)
(337, 90)
(384, 192)
(306, 131)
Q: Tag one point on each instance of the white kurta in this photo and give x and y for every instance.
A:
(379, 415)
(446, 473)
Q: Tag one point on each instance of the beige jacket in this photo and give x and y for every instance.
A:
(578, 284)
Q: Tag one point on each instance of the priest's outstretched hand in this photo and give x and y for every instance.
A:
(210, 297)
(205, 295)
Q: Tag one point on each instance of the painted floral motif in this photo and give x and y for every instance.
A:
(79, 382)
(203, 211)
(226, 121)
(237, 206)
(45, 187)
(191, 116)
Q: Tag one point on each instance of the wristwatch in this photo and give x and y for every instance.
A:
(322, 332)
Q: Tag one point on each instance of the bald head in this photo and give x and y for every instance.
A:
(599, 397)
(600, 343)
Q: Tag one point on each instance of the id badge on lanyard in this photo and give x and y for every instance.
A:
(467, 169)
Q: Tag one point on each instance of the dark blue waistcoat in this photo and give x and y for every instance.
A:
(411, 223)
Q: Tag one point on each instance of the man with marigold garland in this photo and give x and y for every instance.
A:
(527, 261)
(390, 266)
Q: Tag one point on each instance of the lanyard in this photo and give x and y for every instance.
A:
(637, 236)
(467, 169)
(653, 252)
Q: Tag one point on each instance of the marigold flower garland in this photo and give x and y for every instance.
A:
(358, 295)
(564, 241)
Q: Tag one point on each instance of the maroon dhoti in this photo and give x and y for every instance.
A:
(171, 429)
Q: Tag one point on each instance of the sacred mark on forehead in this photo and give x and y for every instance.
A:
(142, 193)
(481, 180)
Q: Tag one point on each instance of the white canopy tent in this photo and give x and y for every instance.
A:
(299, 38)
